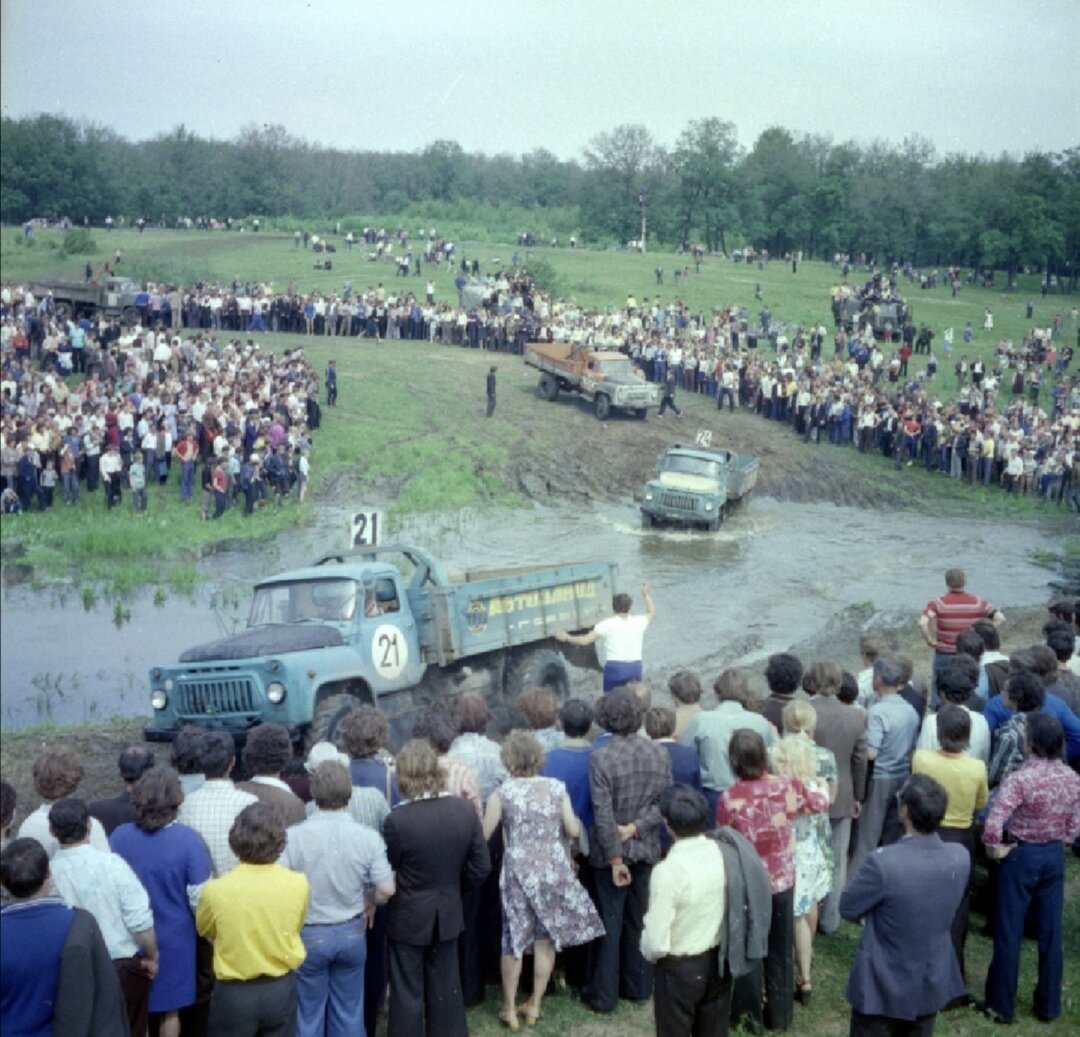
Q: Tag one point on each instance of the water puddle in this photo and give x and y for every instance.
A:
(773, 575)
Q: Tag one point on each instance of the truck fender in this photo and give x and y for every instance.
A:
(333, 702)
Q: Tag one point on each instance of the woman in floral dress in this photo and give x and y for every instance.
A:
(798, 756)
(545, 908)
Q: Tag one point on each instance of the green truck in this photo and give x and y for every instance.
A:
(114, 297)
(697, 486)
(386, 626)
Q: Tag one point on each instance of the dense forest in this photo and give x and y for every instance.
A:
(786, 193)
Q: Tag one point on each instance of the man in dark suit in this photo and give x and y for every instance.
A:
(906, 970)
(112, 813)
(436, 846)
(842, 730)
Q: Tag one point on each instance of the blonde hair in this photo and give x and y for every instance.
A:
(794, 756)
(799, 717)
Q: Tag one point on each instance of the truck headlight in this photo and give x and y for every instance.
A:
(275, 693)
(648, 495)
(708, 505)
(158, 699)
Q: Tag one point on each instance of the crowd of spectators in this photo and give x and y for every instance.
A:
(691, 855)
(190, 362)
(234, 420)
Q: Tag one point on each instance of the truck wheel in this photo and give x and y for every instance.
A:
(328, 716)
(647, 521)
(603, 407)
(129, 315)
(548, 388)
(641, 413)
(713, 525)
(530, 668)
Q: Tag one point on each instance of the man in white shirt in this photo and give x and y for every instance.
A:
(681, 933)
(956, 686)
(104, 884)
(622, 636)
(214, 806)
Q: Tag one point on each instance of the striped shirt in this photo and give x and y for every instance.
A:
(953, 613)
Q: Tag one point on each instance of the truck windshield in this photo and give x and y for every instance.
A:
(308, 600)
(691, 466)
(610, 367)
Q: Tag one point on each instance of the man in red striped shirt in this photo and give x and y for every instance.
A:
(950, 615)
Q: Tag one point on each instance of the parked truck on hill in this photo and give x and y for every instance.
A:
(114, 297)
(384, 626)
(606, 377)
(697, 486)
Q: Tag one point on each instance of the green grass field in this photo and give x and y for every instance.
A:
(591, 278)
(408, 424)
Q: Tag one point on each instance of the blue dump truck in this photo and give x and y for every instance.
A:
(385, 626)
(696, 486)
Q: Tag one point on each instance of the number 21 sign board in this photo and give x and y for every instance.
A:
(365, 528)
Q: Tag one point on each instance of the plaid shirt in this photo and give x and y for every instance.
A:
(211, 811)
(626, 777)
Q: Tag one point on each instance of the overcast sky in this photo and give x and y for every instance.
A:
(973, 76)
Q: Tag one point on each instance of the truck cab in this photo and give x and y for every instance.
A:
(690, 488)
(311, 635)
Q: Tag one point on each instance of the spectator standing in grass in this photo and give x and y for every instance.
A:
(905, 970)
(1035, 813)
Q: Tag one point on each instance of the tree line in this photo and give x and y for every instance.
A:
(787, 193)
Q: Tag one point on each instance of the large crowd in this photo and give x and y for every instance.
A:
(686, 854)
(191, 363)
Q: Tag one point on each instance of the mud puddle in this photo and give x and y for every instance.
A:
(775, 575)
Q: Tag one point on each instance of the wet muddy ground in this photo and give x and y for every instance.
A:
(779, 572)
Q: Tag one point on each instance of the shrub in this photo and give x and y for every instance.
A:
(79, 242)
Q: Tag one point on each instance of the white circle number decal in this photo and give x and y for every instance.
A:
(389, 651)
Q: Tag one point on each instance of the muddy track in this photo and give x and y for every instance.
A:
(611, 460)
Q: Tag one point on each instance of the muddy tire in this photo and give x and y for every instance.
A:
(529, 668)
(647, 521)
(129, 315)
(714, 525)
(603, 407)
(548, 388)
(641, 413)
(328, 715)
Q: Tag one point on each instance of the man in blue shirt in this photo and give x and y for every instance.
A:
(997, 712)
(892, 728)
(55, 973)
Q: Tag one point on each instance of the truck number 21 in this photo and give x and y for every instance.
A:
(389, 651)
(389, 644)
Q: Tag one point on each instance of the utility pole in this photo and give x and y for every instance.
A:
(643, 197)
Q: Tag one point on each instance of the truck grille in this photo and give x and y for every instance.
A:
(213, 697)
(681, 501)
